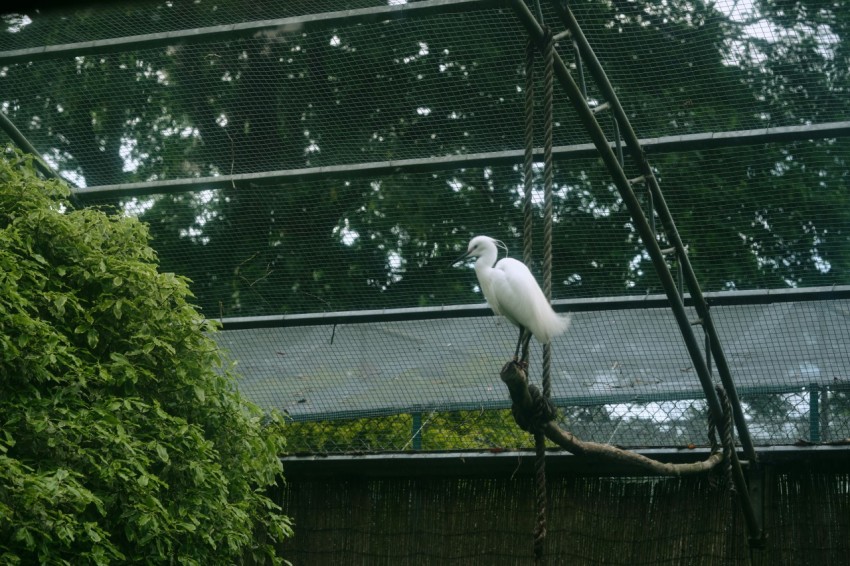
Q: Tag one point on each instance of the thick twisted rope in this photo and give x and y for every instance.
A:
(728, 436)
(548, 177)
(540, 492)
(528, 163)
(548, 181)
(536, 425)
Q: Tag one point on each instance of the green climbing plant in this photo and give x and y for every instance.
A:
(122, 436)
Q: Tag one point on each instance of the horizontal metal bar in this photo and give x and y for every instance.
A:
(694, 394)
(496, 462)
(720, 298)
(355, 317)
(228, 31)
(627, 397)
(709, 140)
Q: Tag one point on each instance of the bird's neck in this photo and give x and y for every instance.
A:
(486, 261)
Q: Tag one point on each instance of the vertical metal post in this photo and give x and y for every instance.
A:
(758, 477)
(580, 71)
(814, 412)
(416, 431)
(618, 141)
(679, 277)
(651, 203)
(824, 414)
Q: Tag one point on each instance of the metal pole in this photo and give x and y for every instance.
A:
(708, 140)
(814, 413)
(641, 224)
(224, 32)
(639, 156)
(416, 430)
(22, 142)
(824, 414)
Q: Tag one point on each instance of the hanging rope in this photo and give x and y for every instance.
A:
(543, 411)
(535, 426)
(548, 178)
(548, 181)
(727, 436)
(528, 164)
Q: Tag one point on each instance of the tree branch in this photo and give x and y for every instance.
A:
(527, 398)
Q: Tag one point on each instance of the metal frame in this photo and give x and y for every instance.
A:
(656, 301)
(710, 140)
(510, 463)
(720, 298)
(685, 269)
(24, 144)
(229, 31)
(419, 9)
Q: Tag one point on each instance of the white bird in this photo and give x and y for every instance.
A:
(512, 292)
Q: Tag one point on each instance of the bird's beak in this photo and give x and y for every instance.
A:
(460, 259)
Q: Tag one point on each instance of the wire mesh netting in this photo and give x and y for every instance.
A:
(443, 82)
(620, 376)
(299, 159)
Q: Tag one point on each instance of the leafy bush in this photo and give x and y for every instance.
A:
(122, 437)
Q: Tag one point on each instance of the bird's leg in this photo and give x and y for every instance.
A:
(519, 343)
(522, 342)
(525, 343)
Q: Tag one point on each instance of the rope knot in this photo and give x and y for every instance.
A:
(727, 436)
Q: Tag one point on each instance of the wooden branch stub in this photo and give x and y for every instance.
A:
(517, 381)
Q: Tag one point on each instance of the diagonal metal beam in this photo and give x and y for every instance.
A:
(19, 139)
(624, 185)
(588, 119)
(639, 156)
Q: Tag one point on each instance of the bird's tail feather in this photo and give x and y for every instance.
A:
(553, 325)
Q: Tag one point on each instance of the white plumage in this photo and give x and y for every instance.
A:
(512, 292)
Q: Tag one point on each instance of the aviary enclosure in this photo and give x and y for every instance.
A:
(677, 169)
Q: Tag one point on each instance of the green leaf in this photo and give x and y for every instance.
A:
(59, 304)
(92, 338)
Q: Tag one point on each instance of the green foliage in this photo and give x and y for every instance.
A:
(368, 434)
(122, 437)
(438, 430)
